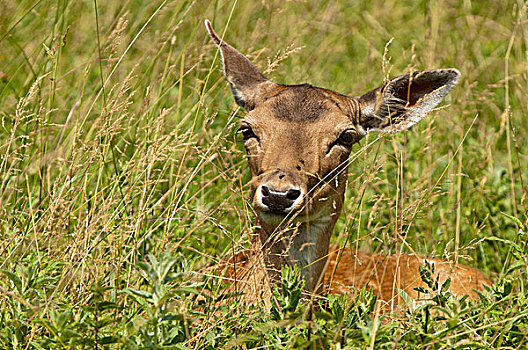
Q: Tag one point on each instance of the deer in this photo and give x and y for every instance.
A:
(298, 139)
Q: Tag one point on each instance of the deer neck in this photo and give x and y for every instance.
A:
(304, 243)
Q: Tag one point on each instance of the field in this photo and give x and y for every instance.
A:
(122, 178)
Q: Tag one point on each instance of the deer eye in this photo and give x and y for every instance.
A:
(348, 138)
(247, 132)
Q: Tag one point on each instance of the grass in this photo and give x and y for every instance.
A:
(121, 177)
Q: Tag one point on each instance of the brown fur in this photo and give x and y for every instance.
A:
(298, 139)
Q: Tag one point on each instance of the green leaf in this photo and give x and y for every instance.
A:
(106, 305)
(514, 219)
(446, 284)
(109, 340)
(517, 265)
(15, 279)
(323, 315)
(139, 293)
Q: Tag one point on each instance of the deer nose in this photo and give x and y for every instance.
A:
(280, 202)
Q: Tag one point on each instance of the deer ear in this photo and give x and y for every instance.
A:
(405, 100)
(249, 85)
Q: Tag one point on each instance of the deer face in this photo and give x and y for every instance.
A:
(298, 141)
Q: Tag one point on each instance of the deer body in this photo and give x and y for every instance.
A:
(298, 139)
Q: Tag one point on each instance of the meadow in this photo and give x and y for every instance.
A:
(122, 178)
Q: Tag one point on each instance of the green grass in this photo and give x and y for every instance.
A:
(121, 177)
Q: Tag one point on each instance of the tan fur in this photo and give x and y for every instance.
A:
(385, 275)
(298, 139)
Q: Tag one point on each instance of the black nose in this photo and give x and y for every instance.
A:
(279, 201)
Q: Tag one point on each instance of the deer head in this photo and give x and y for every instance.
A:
(298, 139)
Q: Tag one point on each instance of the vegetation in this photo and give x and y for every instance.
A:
(121, 178)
